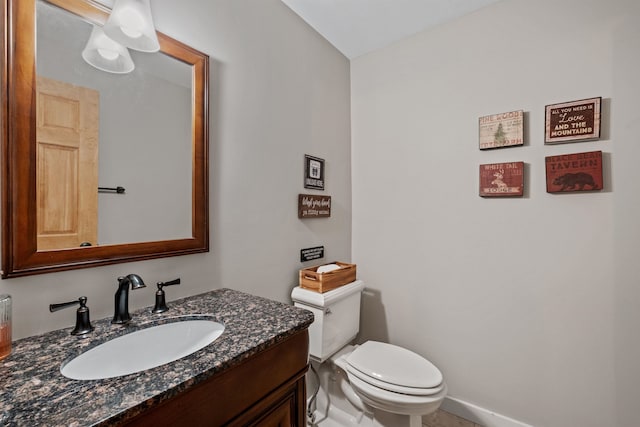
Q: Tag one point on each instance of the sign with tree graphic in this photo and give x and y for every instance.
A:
(501, 130)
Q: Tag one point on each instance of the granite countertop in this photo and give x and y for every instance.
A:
(33, 392)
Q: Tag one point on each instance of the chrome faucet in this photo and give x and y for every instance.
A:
(121, 313)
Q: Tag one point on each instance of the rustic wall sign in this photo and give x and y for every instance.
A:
(501, 130)
(502, 179)
(312, 206)
(572, 121)
(574, 172)
(313, 172)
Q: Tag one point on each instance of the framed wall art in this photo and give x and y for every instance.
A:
(313, 172)
(501, 130)
(574, 172)
(572, 121)
(502, 179)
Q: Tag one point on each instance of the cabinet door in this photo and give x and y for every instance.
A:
(285, 407)
(281, 415)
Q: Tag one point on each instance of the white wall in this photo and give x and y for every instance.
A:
(278, 91)
(626, 211)
(528, 305)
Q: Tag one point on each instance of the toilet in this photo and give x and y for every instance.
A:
(382, 381)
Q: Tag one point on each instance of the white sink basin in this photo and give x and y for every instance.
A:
(143, 349)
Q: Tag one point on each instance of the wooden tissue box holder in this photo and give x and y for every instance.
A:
(323, 282)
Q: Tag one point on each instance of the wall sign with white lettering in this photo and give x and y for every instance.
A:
(572, 121)
(502, 180)
(310, 254)
(313, 206)
(313, 172)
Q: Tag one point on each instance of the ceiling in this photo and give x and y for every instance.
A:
(356, 27)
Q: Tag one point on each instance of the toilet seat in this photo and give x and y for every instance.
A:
(397, 403)
(395, 369)
(412, 391)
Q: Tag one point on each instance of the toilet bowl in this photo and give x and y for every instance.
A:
(376, 376)
(393, 379)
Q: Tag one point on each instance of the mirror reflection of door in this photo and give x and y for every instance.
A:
(146, 131)
(67, 164)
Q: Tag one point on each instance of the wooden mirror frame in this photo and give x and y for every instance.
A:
(20, 256)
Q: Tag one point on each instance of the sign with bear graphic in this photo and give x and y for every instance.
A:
(502, 179)
(574, 172)
(501, 130)
(572, 121)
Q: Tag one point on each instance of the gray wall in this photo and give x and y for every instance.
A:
(529, 305)
(278, 91)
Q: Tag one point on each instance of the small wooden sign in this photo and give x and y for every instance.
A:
(574, 172)
(502, 180)
(312, 206)
(501, 130)
(310, 254)
(572, 121)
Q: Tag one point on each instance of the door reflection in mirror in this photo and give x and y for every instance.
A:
(144, 143)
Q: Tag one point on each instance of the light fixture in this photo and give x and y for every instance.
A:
(106, 54)
(130, 23)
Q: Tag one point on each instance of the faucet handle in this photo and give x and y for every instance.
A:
(83, 322)
(161, 304)
(172, 282)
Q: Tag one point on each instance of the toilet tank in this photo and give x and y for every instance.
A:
(336, 317)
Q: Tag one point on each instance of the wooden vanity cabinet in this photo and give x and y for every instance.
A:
(266, 390)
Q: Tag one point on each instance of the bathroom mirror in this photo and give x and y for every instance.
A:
(153, 144)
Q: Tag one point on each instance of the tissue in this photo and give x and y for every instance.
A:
(327, 268)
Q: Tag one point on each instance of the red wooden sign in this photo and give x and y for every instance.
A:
(502, 179)
(574, 172)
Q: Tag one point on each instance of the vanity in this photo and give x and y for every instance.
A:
(251, 375)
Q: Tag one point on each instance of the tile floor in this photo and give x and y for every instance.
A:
(442, 418)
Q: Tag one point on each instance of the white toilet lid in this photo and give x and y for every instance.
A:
(394, 365)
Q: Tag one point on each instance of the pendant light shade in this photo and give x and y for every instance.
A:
(106, 54)
(131, 24)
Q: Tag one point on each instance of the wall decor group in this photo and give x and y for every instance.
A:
(565, 122)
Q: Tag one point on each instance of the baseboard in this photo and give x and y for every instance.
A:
(478, 415)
